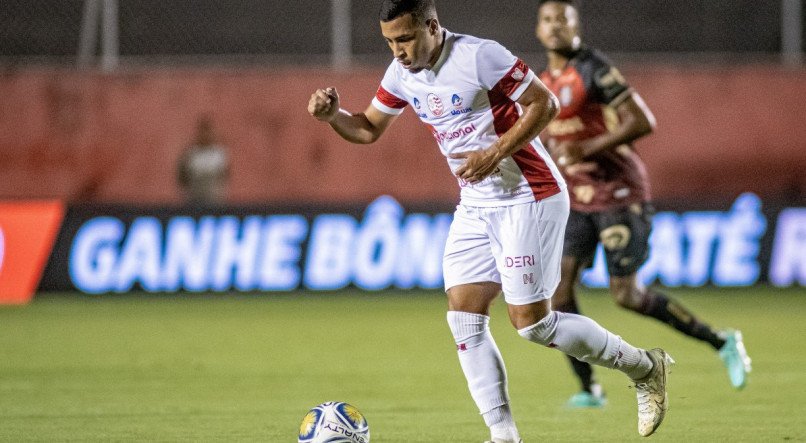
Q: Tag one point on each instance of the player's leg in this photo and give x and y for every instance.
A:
(536, 230)
(625, 235)
(587, 341)
(481, 361)
(579, 246)
(472, 282)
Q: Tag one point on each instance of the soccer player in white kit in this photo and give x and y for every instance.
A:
(485, 108)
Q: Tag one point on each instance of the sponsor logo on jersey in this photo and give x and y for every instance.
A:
(418, 108)
(457, 102)
(518, 75)
(451, 135)
(435, 105)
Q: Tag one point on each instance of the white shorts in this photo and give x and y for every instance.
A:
(518, 246)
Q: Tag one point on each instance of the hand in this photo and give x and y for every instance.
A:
(324, 104)
(568, 153)
(478, 165)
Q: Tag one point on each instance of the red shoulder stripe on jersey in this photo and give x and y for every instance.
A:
(388, 99)
(510, 82)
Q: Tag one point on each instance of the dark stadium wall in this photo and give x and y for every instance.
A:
(116, 138)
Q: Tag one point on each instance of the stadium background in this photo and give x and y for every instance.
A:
(100, 97)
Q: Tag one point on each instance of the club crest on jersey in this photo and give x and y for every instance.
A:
(518, 75)
(566, 95)
(435, 105)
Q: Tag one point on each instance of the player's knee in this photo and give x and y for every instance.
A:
(468, 329)
(542, 332)
(626, 296)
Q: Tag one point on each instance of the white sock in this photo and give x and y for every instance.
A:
(482, 365)
(501, 424)
(583, 338)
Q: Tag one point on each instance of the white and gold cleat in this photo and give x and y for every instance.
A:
(651, 393)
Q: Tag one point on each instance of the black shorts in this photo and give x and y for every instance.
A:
(624, 232)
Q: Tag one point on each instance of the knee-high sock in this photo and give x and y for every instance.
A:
(583, 338)
(480, 359)
(583, 370)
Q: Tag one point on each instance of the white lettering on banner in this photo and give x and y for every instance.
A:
(282, 235)
(214, 253)
(94, 254)
(420, 260)
(697, 247)
(188, 248)
(330, 252)
(788, 263)
(385, 249)
(702, 231)
(739, 235)
(140, 256)
(236, 252)
(377, 244)
(261, 253)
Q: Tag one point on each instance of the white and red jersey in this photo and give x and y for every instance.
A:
(468, 100)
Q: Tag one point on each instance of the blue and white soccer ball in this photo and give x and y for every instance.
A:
(334, 422)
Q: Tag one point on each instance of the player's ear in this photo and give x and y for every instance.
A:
(433, 26)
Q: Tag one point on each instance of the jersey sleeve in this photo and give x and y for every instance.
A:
(388, 100)
(607, 85)
(497, 68)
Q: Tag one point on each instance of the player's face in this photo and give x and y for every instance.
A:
(558, 26)
(413, 45)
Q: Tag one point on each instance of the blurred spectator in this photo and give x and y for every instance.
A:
(204, 168)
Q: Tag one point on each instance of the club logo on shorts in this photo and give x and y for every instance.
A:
(615, 237)
(435, 105)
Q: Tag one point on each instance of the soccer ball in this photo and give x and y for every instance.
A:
(334, 422)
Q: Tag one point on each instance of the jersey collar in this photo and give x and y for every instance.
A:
(447, 43)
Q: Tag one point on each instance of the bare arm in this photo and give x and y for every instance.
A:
(635, 121)
(362, 128)
(540, 106)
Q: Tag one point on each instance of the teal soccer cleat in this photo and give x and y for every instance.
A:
(585, 399)
(734, 355)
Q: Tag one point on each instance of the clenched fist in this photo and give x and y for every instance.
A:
(324, 104)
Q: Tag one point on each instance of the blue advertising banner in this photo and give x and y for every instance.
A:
(113, 249)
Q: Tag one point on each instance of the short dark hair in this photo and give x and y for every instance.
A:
(420, 10)
(572, 3)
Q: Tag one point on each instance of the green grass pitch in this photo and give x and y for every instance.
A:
(248, 368)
